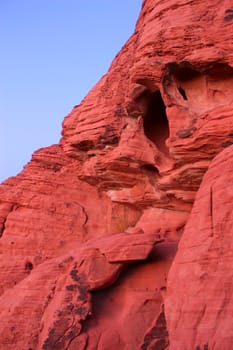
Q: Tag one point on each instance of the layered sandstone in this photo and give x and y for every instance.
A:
(199, 302)
(89, 229)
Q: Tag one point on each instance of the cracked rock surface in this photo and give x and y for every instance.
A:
(90, 228)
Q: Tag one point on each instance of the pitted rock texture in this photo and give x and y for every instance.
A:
(90, 227)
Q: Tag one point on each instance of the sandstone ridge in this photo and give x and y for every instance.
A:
(89, 229)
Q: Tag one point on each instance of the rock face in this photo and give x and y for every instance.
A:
(199, 302)
(89, 229)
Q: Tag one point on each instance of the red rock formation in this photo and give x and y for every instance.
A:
(199, 302)
(90, 227)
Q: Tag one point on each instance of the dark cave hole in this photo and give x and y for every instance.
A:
(155, 124)
(28, 266)
(183, 93)
(151, 168)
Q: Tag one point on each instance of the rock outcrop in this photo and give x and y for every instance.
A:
(89, 229)
(199, 302)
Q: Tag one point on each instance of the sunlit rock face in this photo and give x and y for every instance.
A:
(90, 227)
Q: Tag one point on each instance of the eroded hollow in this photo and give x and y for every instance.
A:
(28, 266)
(155, 123)
(132, 303)
(202, 88)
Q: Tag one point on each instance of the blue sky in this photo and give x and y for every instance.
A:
(52, 53)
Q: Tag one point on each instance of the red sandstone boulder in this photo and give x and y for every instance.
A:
(90, 227)
(199, 301)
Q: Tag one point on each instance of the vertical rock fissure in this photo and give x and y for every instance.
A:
(155, 123)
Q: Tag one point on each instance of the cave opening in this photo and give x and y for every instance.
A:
(183, 93)
(28, 266)
(155, 123)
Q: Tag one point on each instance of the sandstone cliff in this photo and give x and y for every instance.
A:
(90, 228)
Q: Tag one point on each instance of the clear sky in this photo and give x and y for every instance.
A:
(52, 53)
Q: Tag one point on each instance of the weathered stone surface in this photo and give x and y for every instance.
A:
(125, 315)
(176, 79)
(89, 228)
(199, 304)
(56, 295)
